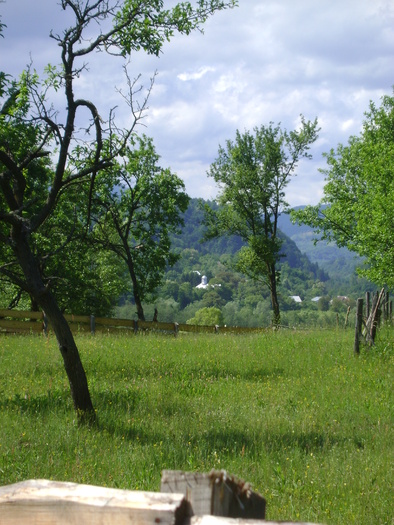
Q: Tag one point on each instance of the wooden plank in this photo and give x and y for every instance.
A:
(43, 502)
(154, 325)
(104, 321)
(217, 520)
(216, 493)
(11, 325)
(85, 319)
(21, 314)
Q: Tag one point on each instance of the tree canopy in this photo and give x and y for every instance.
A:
(357, 208)
(137, 205)
(73, 145)
(252, 173)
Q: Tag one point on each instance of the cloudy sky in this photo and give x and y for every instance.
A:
(266, 60)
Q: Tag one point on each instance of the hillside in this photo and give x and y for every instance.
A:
(339, 263)
(193, 232)
(242, 302)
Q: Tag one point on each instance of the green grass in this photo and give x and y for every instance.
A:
(294, 413)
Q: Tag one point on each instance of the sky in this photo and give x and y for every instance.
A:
(263, 61)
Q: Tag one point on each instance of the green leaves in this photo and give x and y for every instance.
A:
(137, 205)
(252, 173)
(357, 209)
(146, 25)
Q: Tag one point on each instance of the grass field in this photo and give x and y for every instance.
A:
(294, 413)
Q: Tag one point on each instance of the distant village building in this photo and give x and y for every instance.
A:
(203, 283)
(343, 298)
(296, 298)
(315, 299)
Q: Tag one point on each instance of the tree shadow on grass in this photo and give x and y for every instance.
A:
(53, 401)
(307, 442)
(220, 437)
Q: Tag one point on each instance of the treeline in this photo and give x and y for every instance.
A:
(231, 298)
(93, 282)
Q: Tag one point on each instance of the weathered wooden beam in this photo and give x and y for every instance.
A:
(42, 502)
(13, 325)
(19, 314)
(216, 493)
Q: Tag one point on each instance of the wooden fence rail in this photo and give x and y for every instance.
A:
(17, 321)
(185, 499)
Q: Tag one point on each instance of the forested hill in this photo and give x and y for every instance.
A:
(241, 301)
(339, 263)
(193, 233)
(336, 267)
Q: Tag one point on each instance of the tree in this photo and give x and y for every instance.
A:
(252, 173)
(323, 303)
(357, 209)
(32, 130)
(208, 316)
(138, 206)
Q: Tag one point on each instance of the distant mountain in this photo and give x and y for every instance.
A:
(338, 262)
(323, 260)
(193, 232)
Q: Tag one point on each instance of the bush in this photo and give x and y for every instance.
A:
(210, 316)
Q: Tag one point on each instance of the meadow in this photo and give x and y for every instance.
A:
(294, 413)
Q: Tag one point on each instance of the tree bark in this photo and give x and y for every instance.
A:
(274, 296)
(67, 346)
(136, 294)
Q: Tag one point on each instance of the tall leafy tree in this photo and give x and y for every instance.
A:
(82, 280)
(139, 206)
(357, 209)
(31, 129)
(252, 173)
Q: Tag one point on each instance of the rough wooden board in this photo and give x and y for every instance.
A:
(195, 487)
(216, 493)
(42, 502)
(217, 520)
(20, 326)
(19, 314)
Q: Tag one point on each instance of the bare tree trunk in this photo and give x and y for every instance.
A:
(136, 294)
(67, 346)
(274, 296)
(140, 310)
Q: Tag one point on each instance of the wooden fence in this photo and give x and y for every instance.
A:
(369, 318)
(18, 321)
(185, 499)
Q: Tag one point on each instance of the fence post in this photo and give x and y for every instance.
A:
(135, 326)
(92, 324)
(367, 304)
(347, 316)
(45, 323)
(176, 329)
(386, 307)
(359, 322)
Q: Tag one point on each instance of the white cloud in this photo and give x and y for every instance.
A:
(263, 61)
(196, 75)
